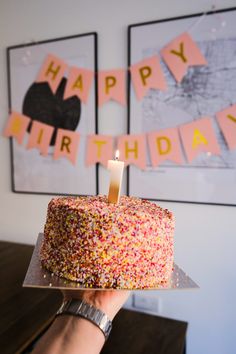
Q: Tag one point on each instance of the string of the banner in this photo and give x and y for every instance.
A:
(217, 15)
(26, 58)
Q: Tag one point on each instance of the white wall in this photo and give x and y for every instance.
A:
(205, 237)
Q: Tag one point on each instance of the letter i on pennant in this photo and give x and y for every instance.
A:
(52, 71)
(40, 137)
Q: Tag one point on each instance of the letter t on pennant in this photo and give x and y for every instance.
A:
(99, 149)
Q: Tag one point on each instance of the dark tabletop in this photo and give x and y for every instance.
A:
(25, 313)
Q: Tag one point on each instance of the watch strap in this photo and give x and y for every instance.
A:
(82, 309)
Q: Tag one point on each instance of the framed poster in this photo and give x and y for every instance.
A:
(203, 91)
(32, 172)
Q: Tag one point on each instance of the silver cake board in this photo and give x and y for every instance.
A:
(38, 277)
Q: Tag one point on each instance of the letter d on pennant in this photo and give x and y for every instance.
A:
(163, 145)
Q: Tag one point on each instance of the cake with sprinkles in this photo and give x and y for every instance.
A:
(101, 245)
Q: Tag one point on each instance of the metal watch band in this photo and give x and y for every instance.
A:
(83, 309)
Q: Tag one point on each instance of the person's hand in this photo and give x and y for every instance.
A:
(109, 301)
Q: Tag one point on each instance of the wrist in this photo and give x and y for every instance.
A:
(81, 308)
(72, 325)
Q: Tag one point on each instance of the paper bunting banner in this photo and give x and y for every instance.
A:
(164, 145)
(40, 137)
(199, 136)
(181, 53)
(132, 150)
(52, 71)
(79, 83)
(147, 74)
(16, 126)
(227, 122)
(111, 85)
(67, 143)
(99, 149)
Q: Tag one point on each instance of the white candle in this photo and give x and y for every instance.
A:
(116, 168)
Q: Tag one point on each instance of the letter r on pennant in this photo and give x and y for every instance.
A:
(65, 142)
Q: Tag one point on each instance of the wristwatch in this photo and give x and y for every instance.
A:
(81, 308)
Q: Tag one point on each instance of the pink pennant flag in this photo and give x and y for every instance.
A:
(111, 85)
(67, 143)
(147, 74)
(227, 122)
(16, 126)
(52, 71)
(132, 150)
(40, 137)
(99, 149)
(199, 136)
(181, 53)
(165, 145)
(79, 83)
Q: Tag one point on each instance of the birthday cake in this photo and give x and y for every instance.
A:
(128, 245)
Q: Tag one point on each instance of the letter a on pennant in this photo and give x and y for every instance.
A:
(165, 145)
(181, 53)
(199, 136)
(227, 122)
(99, 149)
(52, 71)
(111, 85)
(40, 137)
(67, 143)
(16, 126)
(147, 74)
(79, 83)
(132, 150)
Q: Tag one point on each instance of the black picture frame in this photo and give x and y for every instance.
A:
(75, 48)
(139, 183)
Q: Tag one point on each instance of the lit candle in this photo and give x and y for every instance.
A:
(116, 168)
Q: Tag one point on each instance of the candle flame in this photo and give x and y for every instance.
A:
(117, 155)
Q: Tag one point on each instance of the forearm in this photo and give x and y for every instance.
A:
(76, 335)
(71, 335)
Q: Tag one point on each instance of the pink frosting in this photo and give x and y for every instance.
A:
(127, 245)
